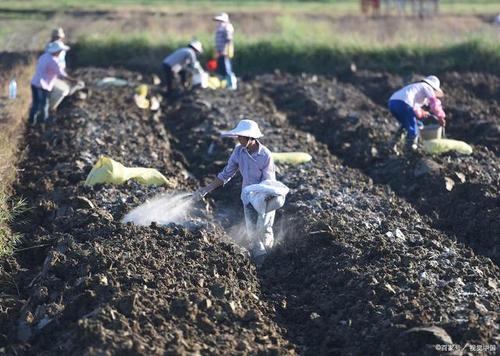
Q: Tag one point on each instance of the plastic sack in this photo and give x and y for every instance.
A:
(59, 92)
(291, 157)
(256, 195)
(142, 90)
(112, 81)
(109, 171)
(442, 145)
(216, 83)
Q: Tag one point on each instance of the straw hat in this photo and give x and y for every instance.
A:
(222, 17)
(56, 46)
(58, 33)
(434, 82)
(196, 45)
(246, 128)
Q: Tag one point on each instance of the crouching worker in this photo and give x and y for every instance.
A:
(179, 63)
(256, 166)
(407, 107)
(48, 69)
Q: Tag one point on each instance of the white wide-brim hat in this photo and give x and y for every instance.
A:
(57, 46)
(197, 46)
(246, 128)
(222, 17)
(434, 82)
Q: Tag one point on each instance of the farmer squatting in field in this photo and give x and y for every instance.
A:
(406, 106)
(256, 165)
(180, 62)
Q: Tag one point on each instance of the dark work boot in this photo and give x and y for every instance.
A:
(411, 144)
(396, 139)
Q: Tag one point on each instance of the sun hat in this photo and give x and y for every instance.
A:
(222, 17)
(58, 33)
(246, 128)
(196, 45)
(433, 81)
(56, 46)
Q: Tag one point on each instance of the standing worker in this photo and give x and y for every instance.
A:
(178, 63)
(224, 46)
(256, 165)
(58, 35)
(48, 69)
(61, 88)
(406, 106)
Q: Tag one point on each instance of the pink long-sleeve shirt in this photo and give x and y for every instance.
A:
(47, 71)
(254, 167)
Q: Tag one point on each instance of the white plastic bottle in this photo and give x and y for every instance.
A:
(12, 89)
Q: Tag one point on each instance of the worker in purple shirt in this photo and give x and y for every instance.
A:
(48, 69)
(254, 162)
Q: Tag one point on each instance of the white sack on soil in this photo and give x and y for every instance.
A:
(256, 195)
(163, 210)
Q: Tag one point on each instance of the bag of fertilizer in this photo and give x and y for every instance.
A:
(258, 194)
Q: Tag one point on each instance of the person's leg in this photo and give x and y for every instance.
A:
(169, 77)
(45, 104)
(257, 248)
(183, 78)
(34, 105)
(230, 77)
(265, 224)
(221, 66)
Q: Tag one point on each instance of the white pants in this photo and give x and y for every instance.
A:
(259, 230)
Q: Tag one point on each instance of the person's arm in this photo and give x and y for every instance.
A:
(223, 177)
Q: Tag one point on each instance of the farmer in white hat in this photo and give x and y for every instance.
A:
(224, 47)
(254, 162)
(180, 62)
(407, 107)
(58, 35)
(48, 69)
(61, 88)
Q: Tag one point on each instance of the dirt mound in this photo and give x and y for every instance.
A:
(357, 270)
(451, 190)
(354, 258)
(85, 283)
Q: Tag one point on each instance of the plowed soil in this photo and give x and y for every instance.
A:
(366, 251)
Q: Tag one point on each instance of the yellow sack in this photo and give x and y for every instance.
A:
(109, 171)
(141, 101)
(291, 157)
(442, 145)
(216, 83)
(142, 90)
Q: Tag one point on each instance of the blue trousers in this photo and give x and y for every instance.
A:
(40, 104)
(406, 116)
(224, 67)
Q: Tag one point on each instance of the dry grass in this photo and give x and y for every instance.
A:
(13, 114)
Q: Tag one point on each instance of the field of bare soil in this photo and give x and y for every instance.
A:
(374, 254)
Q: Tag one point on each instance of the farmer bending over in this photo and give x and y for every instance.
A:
(178, 63)
(406, 106)
(256, 165)
(48, 69)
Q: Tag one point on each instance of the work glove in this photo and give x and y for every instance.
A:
(200, 193)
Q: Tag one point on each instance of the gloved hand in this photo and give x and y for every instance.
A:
(200, 193)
